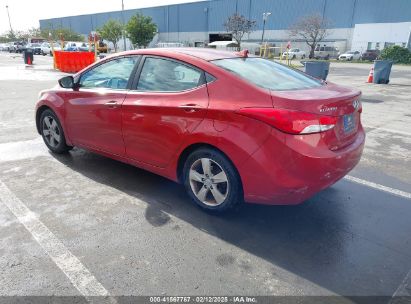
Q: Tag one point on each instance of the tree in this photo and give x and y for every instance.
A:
(34, 32)
(141, 30)
(397, 54)
(7, 37)
(312, 29)
(65, 33)
(238, 26)
(112, 31)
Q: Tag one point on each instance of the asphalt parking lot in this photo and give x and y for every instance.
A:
(84, 225)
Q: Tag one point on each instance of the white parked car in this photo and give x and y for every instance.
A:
(46, 48)
(351, 55)
(294, 54)
(4, 47)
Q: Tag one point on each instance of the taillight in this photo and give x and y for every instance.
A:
(289, 121)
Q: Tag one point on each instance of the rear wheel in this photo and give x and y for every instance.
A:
(52, 133)
(211, 180)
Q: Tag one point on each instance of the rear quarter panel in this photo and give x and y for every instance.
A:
(237, 136)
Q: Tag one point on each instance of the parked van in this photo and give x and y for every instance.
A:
(326, 52)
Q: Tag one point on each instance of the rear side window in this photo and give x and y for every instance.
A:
(267, 74)
(163, 75)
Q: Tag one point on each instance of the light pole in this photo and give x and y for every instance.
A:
(124, 24)
(265, 17)
(8, 14)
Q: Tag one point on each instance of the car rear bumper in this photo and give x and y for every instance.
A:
(288, 169)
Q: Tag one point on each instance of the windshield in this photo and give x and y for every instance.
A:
(350, 52)
(267, 74)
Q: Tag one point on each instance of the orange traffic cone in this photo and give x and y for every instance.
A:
(371, 76)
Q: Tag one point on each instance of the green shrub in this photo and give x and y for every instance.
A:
(397, 54)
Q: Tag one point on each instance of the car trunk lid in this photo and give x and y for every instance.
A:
(329, 100)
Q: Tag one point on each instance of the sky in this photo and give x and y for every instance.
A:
(25, 14)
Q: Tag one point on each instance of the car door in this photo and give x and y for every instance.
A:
(168, 101)
(93, 111)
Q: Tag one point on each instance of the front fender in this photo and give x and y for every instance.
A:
(54, 102)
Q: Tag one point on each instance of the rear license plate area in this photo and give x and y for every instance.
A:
(349, 123)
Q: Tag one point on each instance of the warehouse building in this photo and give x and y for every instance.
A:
(354, 24)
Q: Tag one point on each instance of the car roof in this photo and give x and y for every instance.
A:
(207, 54)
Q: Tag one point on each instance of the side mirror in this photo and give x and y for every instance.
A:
(67, 82)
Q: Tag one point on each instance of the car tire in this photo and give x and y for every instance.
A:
(52, 133)
(303, 57)
(200, 171)
(293, 57)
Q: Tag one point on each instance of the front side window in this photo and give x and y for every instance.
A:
(163, 75)
(111, 75)
(267, 74)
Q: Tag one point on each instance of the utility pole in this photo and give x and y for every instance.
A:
(265, 17)
(124, 25)
(8, 14)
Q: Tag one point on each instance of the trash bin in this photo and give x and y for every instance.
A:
(382, 71)
(317, 69)
(28, 56)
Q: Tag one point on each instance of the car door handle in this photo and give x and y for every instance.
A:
(111, 104)
(191, 107)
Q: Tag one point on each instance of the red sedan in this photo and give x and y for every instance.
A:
(230, 127)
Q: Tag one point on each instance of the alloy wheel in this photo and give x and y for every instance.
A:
(51, 131)
(209, 182)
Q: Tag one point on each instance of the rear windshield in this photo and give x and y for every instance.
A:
(267, 74)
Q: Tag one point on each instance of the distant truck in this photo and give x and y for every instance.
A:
(36, 40)
(326, 52)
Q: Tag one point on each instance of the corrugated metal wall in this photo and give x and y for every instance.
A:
(209, 16)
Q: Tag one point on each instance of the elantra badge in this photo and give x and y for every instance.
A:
(328, 109)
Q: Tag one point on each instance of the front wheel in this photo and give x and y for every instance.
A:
(52, 133)
(211, 180)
